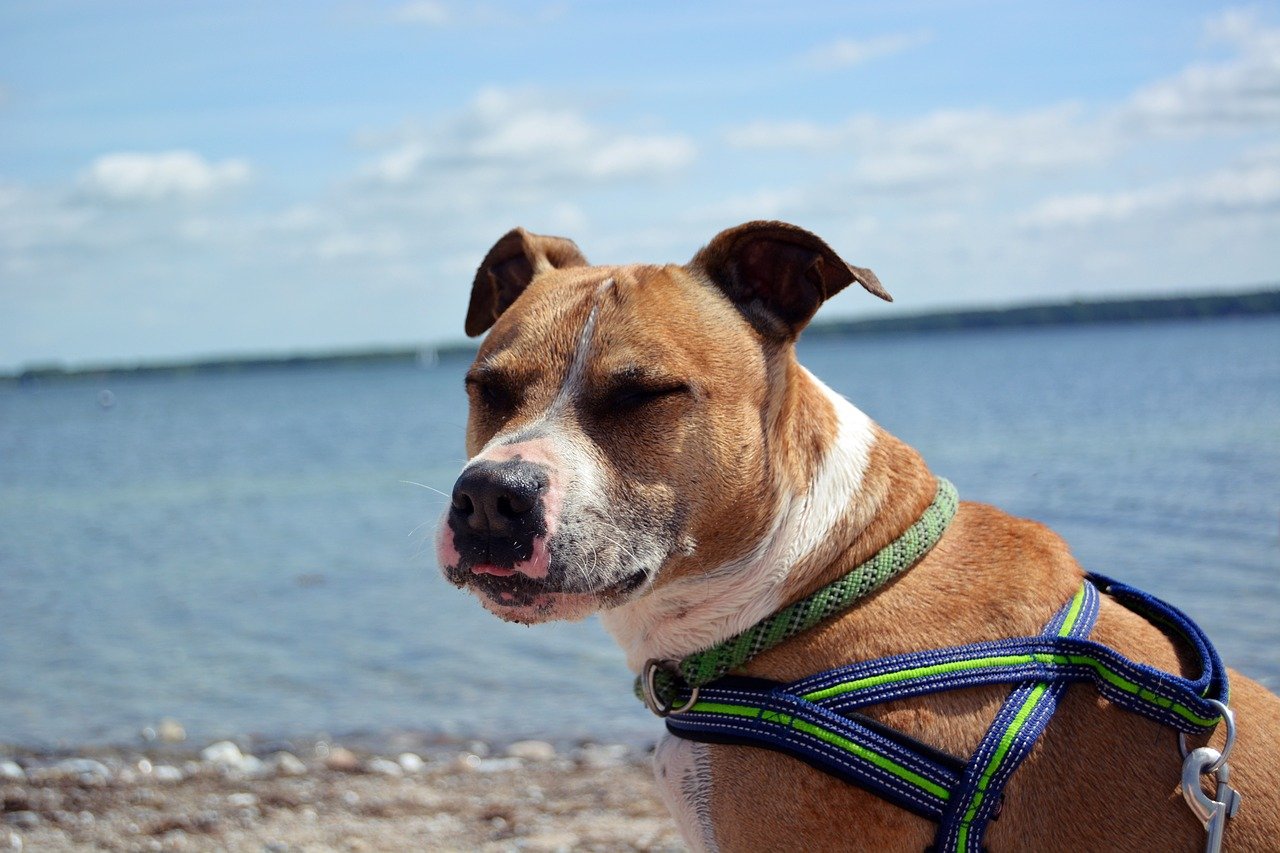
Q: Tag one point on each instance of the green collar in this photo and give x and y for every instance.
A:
(661, 681)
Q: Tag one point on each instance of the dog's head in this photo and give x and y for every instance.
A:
(620, 416)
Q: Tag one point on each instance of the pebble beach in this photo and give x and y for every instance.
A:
(318, 795)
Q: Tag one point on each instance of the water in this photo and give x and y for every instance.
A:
(240, 552)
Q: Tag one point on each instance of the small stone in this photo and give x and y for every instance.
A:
(497, 765)
(550, 842)
(253, 767)
(479, 748)
(171, 731)
(350, 798)
(166, 773)
(14, 840)
(600, 756)
(356, 845)
(384, 767)
(86, 770)
(242, 799)
(175, 839)
(287, 764)
(12, 771)
(275, 847)
(22, 820)
(531, 750)
(411, 762)
(342, 759)
(224, 753)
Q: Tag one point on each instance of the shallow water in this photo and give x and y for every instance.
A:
(241, 552)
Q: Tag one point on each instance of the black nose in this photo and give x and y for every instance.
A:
(498, 498)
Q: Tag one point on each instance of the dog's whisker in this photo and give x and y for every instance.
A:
(419, 527)
(428, 488)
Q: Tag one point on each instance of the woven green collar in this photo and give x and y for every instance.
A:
(661, 681)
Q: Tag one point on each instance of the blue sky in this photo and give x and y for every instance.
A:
(194, 179)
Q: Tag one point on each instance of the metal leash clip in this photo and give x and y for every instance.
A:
(1211, 811)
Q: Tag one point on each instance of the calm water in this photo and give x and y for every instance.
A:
(240, 553)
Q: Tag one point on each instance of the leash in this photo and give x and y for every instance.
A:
(817, 720)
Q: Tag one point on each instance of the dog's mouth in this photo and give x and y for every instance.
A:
(509, 588)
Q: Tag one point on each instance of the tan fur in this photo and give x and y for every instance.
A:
(751, 433)
(1110, 775)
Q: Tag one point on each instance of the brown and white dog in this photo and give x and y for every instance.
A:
(644, 443)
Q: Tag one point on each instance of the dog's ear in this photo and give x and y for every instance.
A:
(778, 274)
(507, 270)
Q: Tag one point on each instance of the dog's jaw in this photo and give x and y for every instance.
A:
(698, 610)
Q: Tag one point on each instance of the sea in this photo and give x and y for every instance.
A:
(251, 553)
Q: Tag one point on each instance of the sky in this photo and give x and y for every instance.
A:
(206, 179)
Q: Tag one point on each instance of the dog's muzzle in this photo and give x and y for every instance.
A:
(496, 513)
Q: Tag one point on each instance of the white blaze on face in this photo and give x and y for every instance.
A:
(698, 611)
(575, 482)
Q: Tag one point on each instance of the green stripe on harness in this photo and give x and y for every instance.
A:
(845, 744)
(1006, 741)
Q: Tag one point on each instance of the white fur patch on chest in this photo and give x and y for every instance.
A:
(699, 611)
(683, 771)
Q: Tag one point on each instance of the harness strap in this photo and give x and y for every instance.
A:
(1181, 703)
(891, 768)
(813, 719)
(1012, 734)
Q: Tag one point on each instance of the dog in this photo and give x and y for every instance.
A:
(644, 443)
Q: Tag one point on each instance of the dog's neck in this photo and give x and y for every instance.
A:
(822, 526)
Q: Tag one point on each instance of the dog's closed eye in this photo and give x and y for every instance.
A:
(633, 396)
(634, 387)
(492, 391)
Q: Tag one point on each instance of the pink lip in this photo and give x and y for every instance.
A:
(485, 569)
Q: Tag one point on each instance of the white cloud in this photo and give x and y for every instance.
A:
(940, 148)
(525, 139)
(429, 12)
(950, 147)
(438, 14)
(1247, 188)
(132, 177)
(1243, 90)
(847, 52)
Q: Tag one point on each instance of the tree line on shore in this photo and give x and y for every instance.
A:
(1078, 312)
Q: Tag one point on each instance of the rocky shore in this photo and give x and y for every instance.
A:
(319, 795)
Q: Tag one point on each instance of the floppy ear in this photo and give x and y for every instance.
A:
(507, 270)
(778, 274)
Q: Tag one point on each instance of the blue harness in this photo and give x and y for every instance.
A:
(816, 719)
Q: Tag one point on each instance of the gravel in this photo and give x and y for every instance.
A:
(533, 798)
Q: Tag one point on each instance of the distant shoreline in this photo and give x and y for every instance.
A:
(1076, 313)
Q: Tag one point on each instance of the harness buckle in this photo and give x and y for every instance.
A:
(649, 688)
